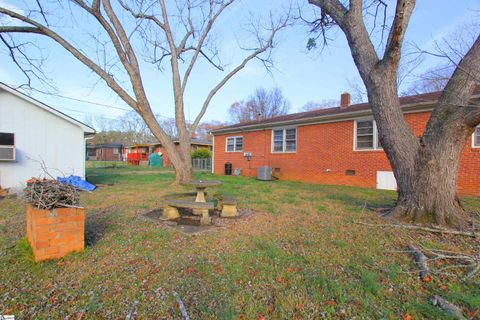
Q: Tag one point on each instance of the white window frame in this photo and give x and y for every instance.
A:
(284, 142)
(475, 142)
(116, 151)
(234, 143)
(376, 142)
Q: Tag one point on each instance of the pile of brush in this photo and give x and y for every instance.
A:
(49, 194)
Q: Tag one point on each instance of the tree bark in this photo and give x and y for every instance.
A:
(431, 197)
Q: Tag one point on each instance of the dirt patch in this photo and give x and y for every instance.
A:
(217, 221)
(97, 224)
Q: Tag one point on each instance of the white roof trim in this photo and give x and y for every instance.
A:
(83, 126)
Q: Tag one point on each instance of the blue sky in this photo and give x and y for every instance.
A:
(303, 76)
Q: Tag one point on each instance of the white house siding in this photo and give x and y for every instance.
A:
(39, 136)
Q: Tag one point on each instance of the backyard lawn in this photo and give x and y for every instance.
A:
(299, 256)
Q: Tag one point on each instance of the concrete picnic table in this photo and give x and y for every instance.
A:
(200, 186)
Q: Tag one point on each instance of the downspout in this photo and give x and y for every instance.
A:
(213, 154)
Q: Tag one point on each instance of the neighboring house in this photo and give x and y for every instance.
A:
(105, 152)
(338, 146)
(33, 134)
(144, 150)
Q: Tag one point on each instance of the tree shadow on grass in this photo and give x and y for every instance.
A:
(96, 225)
(355, 201)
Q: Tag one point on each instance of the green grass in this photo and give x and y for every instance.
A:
(299, 257)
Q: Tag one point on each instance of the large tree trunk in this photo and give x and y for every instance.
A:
(182, 162)
(180, 158)
(429, 195)
(432, 193)
(425, 168)
(183, 172)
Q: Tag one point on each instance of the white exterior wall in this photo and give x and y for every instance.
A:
(39, 135)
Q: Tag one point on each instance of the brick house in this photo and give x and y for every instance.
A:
(337, 146)
(105, 152)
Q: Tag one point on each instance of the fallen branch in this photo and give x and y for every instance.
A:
(463, 260)
(49, 194)
(469, 261)
(472, 233)
(181, 306)
(421, 261)
(133, 310)
(475, 269)
(448, 307)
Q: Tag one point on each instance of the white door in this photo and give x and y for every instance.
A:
(386, 180)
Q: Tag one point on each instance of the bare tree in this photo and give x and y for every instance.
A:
(324, 104)
(426, 167)
(453, 47)
(168, 124)
(434, 79)
(262, 104)
(133, 128)
(181, 33)
(357, 90)
(204, 129)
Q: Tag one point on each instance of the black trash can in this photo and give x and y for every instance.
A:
(228, 169)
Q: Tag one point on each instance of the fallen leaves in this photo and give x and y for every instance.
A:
(331, 303)
(225, 271)
(281, 280)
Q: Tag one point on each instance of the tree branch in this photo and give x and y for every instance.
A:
(333, 8)
(458, 91)
(133, 68)
(206, 31)
(266, 45)
(41, 29)
(403, 13)
(352, 24)
(17, 29)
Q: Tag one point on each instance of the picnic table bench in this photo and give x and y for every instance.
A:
(170, 209)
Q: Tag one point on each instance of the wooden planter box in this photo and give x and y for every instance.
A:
(55, 233)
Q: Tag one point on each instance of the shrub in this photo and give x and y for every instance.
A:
(201, 154)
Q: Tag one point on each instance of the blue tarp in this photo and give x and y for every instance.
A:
(76, 181)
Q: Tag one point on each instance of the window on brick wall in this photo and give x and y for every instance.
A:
(234, 144)
(476, 138)
(284, 140)
(366, 135)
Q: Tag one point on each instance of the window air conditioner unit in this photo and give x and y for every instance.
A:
(7, 153)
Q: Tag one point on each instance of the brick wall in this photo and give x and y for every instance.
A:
(54, 233)
(325, 152)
